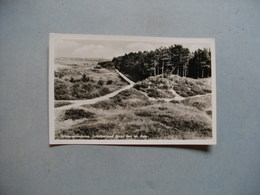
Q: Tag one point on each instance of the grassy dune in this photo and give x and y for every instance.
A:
(131, 113)
(160, 87)
(202, 103)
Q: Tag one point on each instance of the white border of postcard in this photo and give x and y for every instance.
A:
(53, 141)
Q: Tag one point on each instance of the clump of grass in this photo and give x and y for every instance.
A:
(153, 130)
(167, 120)
(162, 108)
(155, 93)
(159, 87)
(189, 87)
(130, 94)
(140, 86)
(75, 114)
(91, 129)
(153, 133)
(103, 91)
(209, 112)
(128, 98)
(155, 87)
(201, 103)
(101, 82)
(62, 90)
(109, 82)
(143, 113)
(105, 105)
(184, 118)
(138, 130)
(132, 129)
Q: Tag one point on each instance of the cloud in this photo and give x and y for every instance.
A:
(97, 51)
(140, 46)
(193, 47)
(64, 47)
(110, 49)
(90, 50)
(86, 49)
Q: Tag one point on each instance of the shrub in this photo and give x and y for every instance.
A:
(103, 91)
(88, 87)
(72, 80)
(132, 128)
(162, 108)
(77, 114)
(92, 130)
(83, 90)
(209, 112)
(61, 90)
(152, 134)
(85, 130)
(101, 82)
(136, 103)
(58, 74)
(154, 93)
(201, 103)
(143, 113)
(105, 105)
(140, 86)
(109, 82)
(195, 121)
(84, 78)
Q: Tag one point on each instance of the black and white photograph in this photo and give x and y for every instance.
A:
(131, 90)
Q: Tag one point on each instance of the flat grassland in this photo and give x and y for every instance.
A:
(156, 108)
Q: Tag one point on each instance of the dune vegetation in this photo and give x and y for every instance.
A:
(79, 79)
(170, 99)
(133, 114)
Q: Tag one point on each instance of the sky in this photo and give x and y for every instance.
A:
(110, 48)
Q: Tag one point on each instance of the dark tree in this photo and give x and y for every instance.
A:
(179, 60)
(164, 61)
(200, 64)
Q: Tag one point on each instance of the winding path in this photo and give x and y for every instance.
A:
(78, 103)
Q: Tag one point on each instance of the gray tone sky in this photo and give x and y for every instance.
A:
(110, 48)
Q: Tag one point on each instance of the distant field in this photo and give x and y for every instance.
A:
(77, 79)
(142, 112)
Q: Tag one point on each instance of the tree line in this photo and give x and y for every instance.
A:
(163, 61)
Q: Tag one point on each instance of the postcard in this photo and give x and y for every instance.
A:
(131, 90)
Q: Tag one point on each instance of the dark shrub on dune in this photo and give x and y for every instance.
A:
(78, 114)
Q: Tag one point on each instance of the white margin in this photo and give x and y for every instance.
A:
(53, 141)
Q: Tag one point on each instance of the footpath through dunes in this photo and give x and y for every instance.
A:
(78, 103)
(172, 88)
(157, 107)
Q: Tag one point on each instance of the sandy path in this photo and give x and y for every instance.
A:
(78, 103)
(176, 98)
